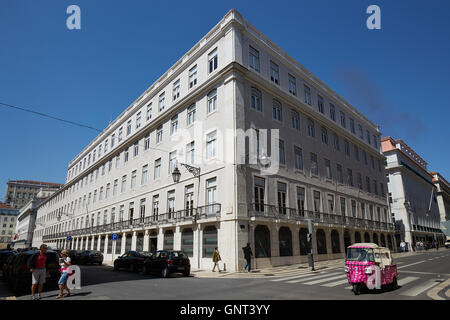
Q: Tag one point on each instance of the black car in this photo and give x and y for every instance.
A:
(19, 275)
(7, 265)
(165, 262)
(77, 257)
(131, 260)
(94, 256)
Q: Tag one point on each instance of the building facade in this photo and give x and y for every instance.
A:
(412, 194)
(261, 144)
(8, 219)
(443, 200)
(19, 192)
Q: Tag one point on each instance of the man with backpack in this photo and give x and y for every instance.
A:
(247, 255)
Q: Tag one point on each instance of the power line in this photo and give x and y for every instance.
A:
(49, 116)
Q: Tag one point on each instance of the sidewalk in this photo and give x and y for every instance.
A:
(5, 294)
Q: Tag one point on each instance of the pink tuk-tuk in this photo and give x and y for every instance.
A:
(369, 266)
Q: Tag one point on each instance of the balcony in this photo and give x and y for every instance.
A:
(259, 210)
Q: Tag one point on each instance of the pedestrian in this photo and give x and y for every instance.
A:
(248, 256)
(64, 262)
(403, 246)
(37, 264)
(436, 244)
(216, 258)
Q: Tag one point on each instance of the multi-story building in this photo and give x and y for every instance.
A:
(443, 200)
(19, 192)
(235, 143)
(412, 194)
(8, 218)
(26, 220)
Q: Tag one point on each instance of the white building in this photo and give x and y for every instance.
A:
(443, 200)
(8, 220)
(322, 161)
(412, 194)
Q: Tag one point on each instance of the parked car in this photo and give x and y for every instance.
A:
(94, 256)
(20, 275)
(7, 265)
(131, 260)
(165, 262)
(77, 257)
(4, 254)
(447, 244)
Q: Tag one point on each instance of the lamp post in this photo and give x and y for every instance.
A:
(176, 175)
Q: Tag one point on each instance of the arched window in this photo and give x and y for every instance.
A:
(366, 237)
(276, 110)
(187, 241)
(321, 242)
(262, 242)
(256, 100)
(383, 240)
(303, 238)
(140, 242)
(285, 241)
(357, 237)
(168, 240)
(335, 242)
(209, 241)
(212, 101)
(375, 238)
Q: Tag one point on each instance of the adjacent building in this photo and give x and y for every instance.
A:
(443, 200)
(19, 192)
(8, 218)
(412, 194)
(237, 142)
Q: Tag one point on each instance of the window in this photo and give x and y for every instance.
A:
(360, 131)
(256, 99)
(324, 135)
(347, 147)
(128, 130)
(176, 90)
(157, 168)
(311, 131)
(295, 120)
(120, 134)
(124, 184)
(254, 59)
(292, 84)
(375, 187)
(281, 152)
(316, 201)
(375, 143)
(343, 205)
(298, 158)
(155, 206)
(274, 73)
(372, 162)
(336, 141)
(193, 77)
(307, 95)
(314, 165)
(360, 184)
(108, 187)
(189, 200)
(212, 60)
(355, 147)
(138, 122)
(133, 179)
(174, 124)
(352, 125)
(172, 161)
(281, 197)
(353, 202)
(211, 144)
(113, 140)
(276, 110)
(368, 184)
(93, 155)
(191, 114)
(368, 136)
(332, 112)
(136, 149)
(364, 157)
(328, 169)
(149, 111)
(190, 152)
(320, 104)
(147, 141)
(162, 99)
(343, 119)
(100, 196)
(350, 177)
(159, 134)
(144, 174)
(211, 189)
(339, 173)
(212, 101)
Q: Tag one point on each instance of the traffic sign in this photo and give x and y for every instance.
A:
(115, 236)
(69, 238)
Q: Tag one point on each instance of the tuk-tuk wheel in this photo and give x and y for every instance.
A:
(356, 289)
(394, 283)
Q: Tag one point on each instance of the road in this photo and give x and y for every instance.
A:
(422, 276)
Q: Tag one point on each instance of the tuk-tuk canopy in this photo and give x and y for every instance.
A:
(364, 245)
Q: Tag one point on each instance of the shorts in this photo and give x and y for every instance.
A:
(63, 279)
(38, 276)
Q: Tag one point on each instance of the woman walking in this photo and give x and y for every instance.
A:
(216, 258)
(64, 262)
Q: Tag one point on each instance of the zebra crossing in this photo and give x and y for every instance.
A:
(411, 286)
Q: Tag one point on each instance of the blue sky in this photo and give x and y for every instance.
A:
(397, 76)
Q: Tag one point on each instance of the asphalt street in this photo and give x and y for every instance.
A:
(422, 276)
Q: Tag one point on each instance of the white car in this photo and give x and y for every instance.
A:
(447, 244)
